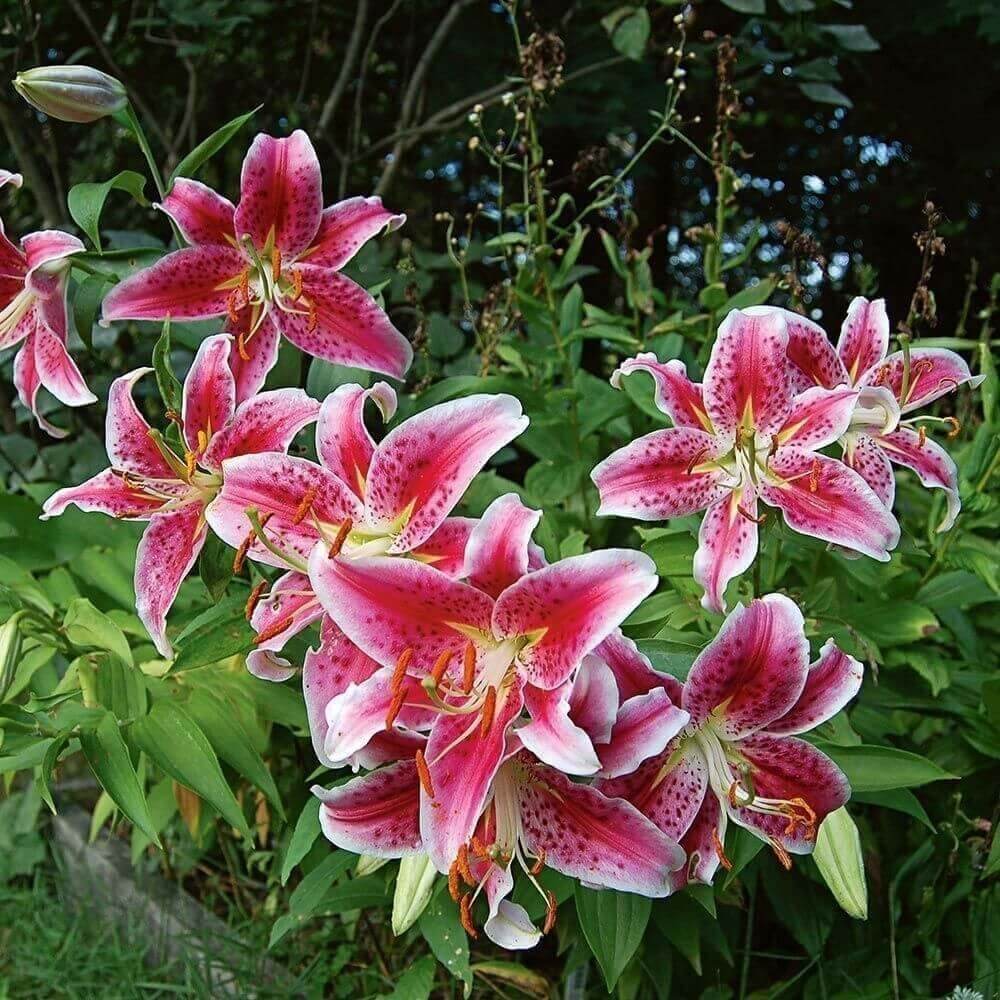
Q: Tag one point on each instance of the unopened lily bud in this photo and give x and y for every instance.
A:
(10, 651)
(71, 93)
(368, 865)
(413, 891)
(838, 858)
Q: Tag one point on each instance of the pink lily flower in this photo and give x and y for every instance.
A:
(33, 281)
(390, 499)
(880, 433)
(749, 693)
(531, 814)
(271, 266)
(471, 662)
(151, 480)
(743, 436)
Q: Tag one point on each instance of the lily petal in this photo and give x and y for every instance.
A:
(933, 373)
(338, 321)
(193, 283)
(422, 467)
(818, 417)
(659, 476)
(27, 381)
(169, 547)
(277, 484)
(864, 337)
(935, 468)
(833, 680)
(593, 699)
(259, 353)
(43, 250)
(376, 814)
(753, 671)
(57, 371)
(606, 842)
(869, 460)
(676, 395)
(107, 493)
(508, 924)
(346, 227)
(498, 551)
(633, 672)
(567, 608)
(822, 497)
(342, 440)
(552, 736)
(386, 606)
(290, 599)
(445, 549)
(281, 194)
(127, 434)
(703, 843)
(644, 727)
(746, 380)
(811, 357)
(202, 215)
(209, 397)
(727, 545)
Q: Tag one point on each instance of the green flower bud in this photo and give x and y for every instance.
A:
(367, 865)
(413, 891)
(71, 93)
(838, 858)
(10, 651)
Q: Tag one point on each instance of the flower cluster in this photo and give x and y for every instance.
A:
(504, 722)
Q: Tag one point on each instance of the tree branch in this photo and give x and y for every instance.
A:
(49, 207)
(346, 68)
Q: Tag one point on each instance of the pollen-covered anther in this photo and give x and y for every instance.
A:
(241, 347)
(338, 541)
(956, 427)
(454, 885)
(254, 599)
(424, 774)
(489, 710)
(881, 375)
(814, 476)
(782, 855)
(174, 417)
(536, 868)
(241, 553)
(468, 668)
(275, 263)
(462, 860)
(272, 630)
(296, 284)
(720, 851)
(550, 912)
(436, 675)
(800, 813)
(399, 673)
(921, 436)
(233, 311)
(479, 848)
(465, 915)
(750, 517)
(694, 461)
(303, 508)
(190, 463)
(313, 318)
(395, 707)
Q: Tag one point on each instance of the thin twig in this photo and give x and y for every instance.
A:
(346, 68)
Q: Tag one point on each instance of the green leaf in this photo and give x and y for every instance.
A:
(215, 566)
(207, 148)
(416, 982)
(955, 589)
(442, 930)
(231, 742)
(303, 837)
(752, 295)
(87, 627)
(613, 924)
(875, 769)
(86, 201)
(826, 93)
(900, 799)
(853, 37)
(109, 759)
(310, 892)
(747, 6)
(166, 380)
(171, 738)
(86, 301)
(629, 30)
(218, 633)
(119, 687)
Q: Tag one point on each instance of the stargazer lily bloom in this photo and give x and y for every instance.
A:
(470, 660)
(531, 815)
(749, 692)
(891, 387)
(271, 265)
(169, 484)
(33, 281)
(365, 500)
(743, 436)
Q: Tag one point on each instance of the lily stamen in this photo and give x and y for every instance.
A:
(399, 674)
(462, 862)
(489, 708)
(465, 914)
(550, 912)
(424, 774)
(468, 668)
(720, 851)
(814, 476)
(254, 599)
(272, 630)
(395, 708)
(303, 508)
(338, 542)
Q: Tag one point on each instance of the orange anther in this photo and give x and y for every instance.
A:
(303, 508)
(399, 674)
(272, 630)
(956, 428)
(463, 865)
(782, 855)
(550, 913)
(340, 538)
(479, 848)
(694, 461)
(395, 707)
(241, 347)
(536, 868)
(814, 476)
(465, 914)
(756, 520)
(454, 888)
(921, 436)
(190, 463)
(313, 320)
(440, 666)
(296, 284)
(275, 263)
(489, 709)
(424, 774)
(468, 668)
(720, 851)
(254, 599)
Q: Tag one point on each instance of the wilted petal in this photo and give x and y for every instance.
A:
(659, 476)
(822, 497)
(753, 671)
(646, 723)
(462, 776)
(338, 321)
(126, 432)
(342, 440)
(201, 214)
(376, 814)
(812, 358)
(864, 337)
(445, 549)
(209, 393)
(346, 227)
(422, 467)
(552, 736)
(108, 493)
(783, 768)
(266, 422)
(833, 680)
(57, 371)
(388, 605)
(278, 484)
(819, 416)
(676, 395)
(606, 842)
(932, 464)
(867, 458)
(289, 602)
(193, 283)
(497, 553)
(633, 672)
(567, 608)
(746, 381)
(933, 372)
(281, 194)
(727, 545)
(169, 547)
